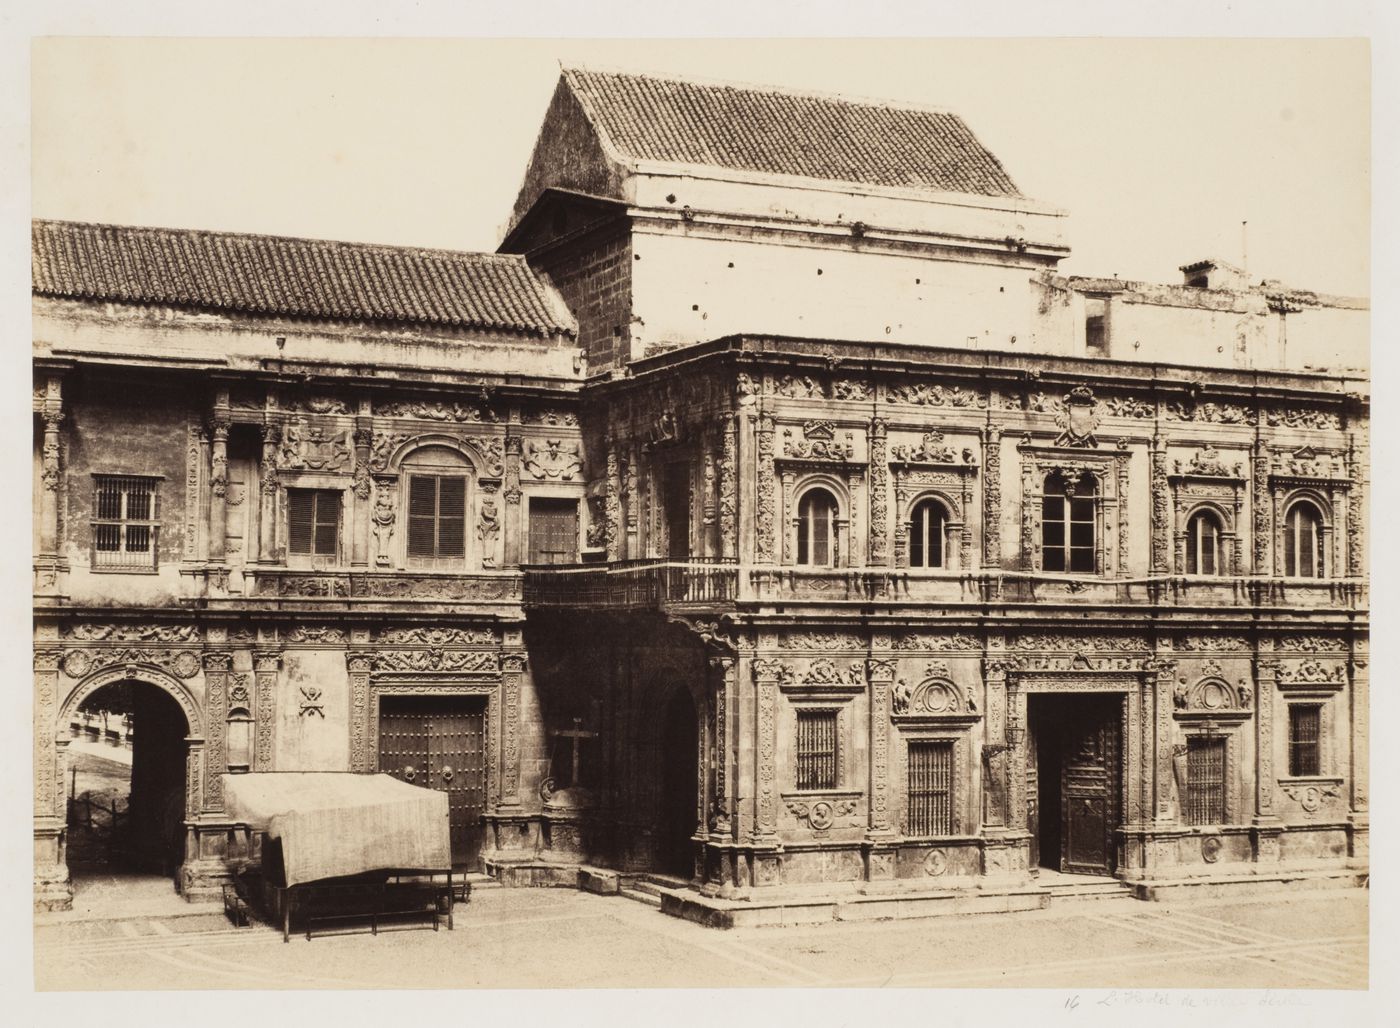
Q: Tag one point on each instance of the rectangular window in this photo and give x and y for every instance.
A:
(313, 521)
(1205, 781)
(1067, 534)
(930, 788)
(437, 516)
(1304, 739)
(126, 522)
(816, 749)
(553, 531)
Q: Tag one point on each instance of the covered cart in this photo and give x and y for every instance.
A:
(339, 846)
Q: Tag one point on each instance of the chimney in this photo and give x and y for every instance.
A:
(1212, 273)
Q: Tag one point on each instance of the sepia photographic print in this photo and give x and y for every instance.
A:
(565, 514)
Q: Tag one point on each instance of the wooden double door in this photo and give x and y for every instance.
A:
(1074, 781)
(439, 742)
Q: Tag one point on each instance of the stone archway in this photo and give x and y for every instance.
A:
(166, 780)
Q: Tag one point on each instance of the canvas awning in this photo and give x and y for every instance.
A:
(330, 824)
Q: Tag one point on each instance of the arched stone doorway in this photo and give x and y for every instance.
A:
(149, 834)
(678, 777)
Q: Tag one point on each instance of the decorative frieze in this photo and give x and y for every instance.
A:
(934, 641)
(437, 410)
(820, 815)
(819, 641)
(1210, 411)
(1312, 672)
(313, 447)
(438, 636)
(436, 659)
(924, 394)
(554, 460)
(304, 633)
(90, 631)
(818, 442)
(81, 663)
(1075, 643)
(1290, 417)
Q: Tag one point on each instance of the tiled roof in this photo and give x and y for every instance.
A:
(752, 129)
(277, 275)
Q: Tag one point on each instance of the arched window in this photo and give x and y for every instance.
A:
(1302, 542)
(1069, 524)
(816, 529)
(927, 529)
(436, 507)
(1203, 544)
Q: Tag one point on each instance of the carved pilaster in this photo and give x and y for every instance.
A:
(1356, 522)
(217, 665)
(728, 487)
(218, 481)
(47, 775)
(879, 493)
(726, 669)
(1263, 510)
(267, 494)
(52, 476)
(1160, 678)
(991, 497)
(363, 489)
(510, 489)
(707, 499)
(266, 664)
(1016, 755)
(1360, 736)
(612, 506)
(358, 664)
(995, 749)
(765, 486)
(512, 668)
(1265, 681)
(880, 674)
(1161, 499)
(765, 674)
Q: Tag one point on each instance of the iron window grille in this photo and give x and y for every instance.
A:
(930, 796)
(1304, 740)
(816, 749)
(313, 522)
(1205, 780)
(126, 522)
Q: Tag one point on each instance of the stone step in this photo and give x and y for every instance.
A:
(651, 898)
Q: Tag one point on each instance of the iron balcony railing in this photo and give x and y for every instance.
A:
(636, 583)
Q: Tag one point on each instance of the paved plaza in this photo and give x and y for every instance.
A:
(556, 938)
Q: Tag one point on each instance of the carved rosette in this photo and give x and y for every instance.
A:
(728, 507)
(879, 493)
(512, 667)
(766, 488)
(265, 668)
(881, 676)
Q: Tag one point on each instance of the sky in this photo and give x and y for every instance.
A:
(1158, 149)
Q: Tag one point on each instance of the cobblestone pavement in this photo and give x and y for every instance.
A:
(565, 939)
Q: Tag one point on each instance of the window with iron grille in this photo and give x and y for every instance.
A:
(816, 749)
(313, 521)
(126, 522)
(437, 517)
(553, 531)
(930, 788)
(1304, 739)
(1205, 780)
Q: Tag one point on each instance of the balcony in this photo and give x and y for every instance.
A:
(655, 584)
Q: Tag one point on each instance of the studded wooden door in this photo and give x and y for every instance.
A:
(440, 743)
(1088, 793)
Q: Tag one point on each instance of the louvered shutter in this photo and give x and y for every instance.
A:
(301, 517)
(327, 514)
(452, 499)
(422, 515)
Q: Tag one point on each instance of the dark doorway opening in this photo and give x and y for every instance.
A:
(1074, 781)
(679, 771)
(677, 507)
(440, 742)
(126, 782)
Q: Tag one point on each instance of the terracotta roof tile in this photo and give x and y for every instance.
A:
(782, 133)
(277, 275)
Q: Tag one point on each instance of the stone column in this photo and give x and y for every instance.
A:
(880, 674)
(266, 664)
(728, 487)
(218, 479)
(511, 489)
(726, 669)
(267, 494)
(364, 487)
(879, 551)
(217, 665)
(764, 486)
(991, 497)
(52, 475)
(512, 668)
(1267, 825)
(766, 674)
(1359, 817)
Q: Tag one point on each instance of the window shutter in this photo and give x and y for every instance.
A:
(301, 514)
(422, 515)
(452, 500)
(327, 522)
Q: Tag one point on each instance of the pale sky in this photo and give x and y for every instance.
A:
(1158, 149)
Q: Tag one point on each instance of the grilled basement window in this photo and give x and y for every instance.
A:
(313, 521)
(1205, 780)
(437, 518)
(930, 788)
(126, 522)
(1304, 740)
(816, 749)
